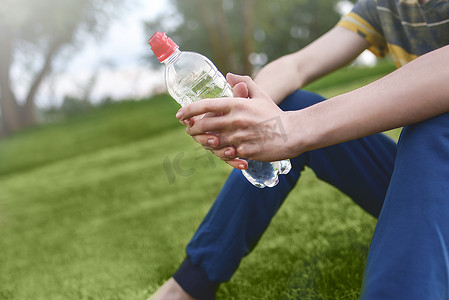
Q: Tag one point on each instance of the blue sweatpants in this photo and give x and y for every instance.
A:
(409, 256)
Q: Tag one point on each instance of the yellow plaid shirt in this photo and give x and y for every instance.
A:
(403, 28)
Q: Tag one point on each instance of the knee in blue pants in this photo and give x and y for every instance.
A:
(300, 100)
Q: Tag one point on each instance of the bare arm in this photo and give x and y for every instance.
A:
(333, 50)
(413, 93)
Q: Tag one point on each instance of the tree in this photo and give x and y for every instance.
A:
(230, 31)
(32, 35)
(215, 28)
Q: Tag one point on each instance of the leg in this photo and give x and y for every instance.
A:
(242, 212)
(235, 222)
(409, 253)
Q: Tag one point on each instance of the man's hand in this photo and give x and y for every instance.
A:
(254, 128)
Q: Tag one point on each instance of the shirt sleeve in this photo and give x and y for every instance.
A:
(364, 20)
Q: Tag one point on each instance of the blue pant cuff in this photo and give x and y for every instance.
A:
(194, 281)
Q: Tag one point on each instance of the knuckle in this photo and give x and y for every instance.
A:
(208, 105)
(219, 123)
(236, 106)
(221, 156)
(239, 105)
(245, 151)
(237, 123)
(242, 151)
(199, 126)
(224, 141)
(241, 136)
(232, 104)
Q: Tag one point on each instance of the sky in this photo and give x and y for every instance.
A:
(116, 62)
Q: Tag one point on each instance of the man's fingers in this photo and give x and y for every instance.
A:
(238, 164)
(253, 89)
(219, 106)
(217, 124)
(187, 122)
(233, 79)
(225, 153)
(241, 90)
(228, 155)
(208, 141)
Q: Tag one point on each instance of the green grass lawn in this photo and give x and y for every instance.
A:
(92, 208)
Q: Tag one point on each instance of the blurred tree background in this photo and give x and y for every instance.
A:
(238, 36)
(242, 36)
(32, 35)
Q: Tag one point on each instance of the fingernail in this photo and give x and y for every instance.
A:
(241, 166)
(179, 113)
(228, 152)
(211, 141)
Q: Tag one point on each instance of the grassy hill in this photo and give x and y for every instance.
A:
(93, 208)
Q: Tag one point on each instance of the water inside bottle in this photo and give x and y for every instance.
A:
(208, 85)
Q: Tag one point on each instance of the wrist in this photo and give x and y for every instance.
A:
(298, 138)
(310, 128)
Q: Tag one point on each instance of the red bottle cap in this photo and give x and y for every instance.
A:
(162, 46)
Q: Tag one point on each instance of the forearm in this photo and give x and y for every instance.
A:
(333, 50)
(280, 78)
(413, 93)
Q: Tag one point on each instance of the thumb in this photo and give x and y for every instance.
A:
(240, 90)
(253, 89)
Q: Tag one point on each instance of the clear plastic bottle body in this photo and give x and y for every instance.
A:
(191, 77)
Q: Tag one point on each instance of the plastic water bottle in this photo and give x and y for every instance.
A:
(190, 77)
